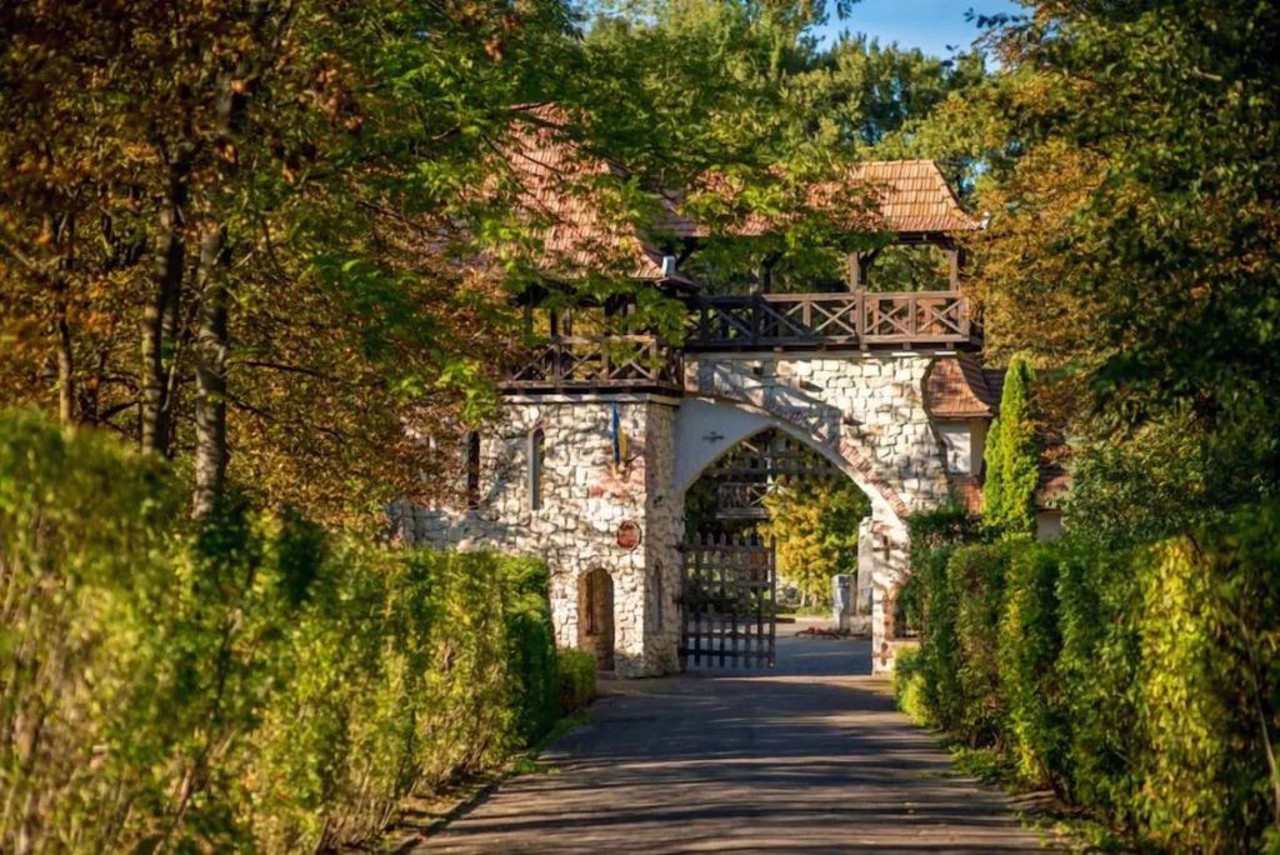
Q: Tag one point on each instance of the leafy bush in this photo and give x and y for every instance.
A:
(1211, 684)
(533, 669)
(909, 686)
(1010, 456)
(1028, 648)
(935, 535)
(975, 585)
(248, 684)
(577, 670)
(1143, 684)
(1097, 668)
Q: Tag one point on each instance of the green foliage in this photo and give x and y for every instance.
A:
(815, 526)
(975, 586)
(909, 685)
(577, 676)
(1132, 169)
(949, 523)
(1027, 649)
(1097, 598)
(1142, 684)
(1153, 486)
(1012, 467)
(935, 535)
(910, 602)
(245, 684)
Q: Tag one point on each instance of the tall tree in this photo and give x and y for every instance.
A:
(1132, 186)
(1011, 457)
(299, 175)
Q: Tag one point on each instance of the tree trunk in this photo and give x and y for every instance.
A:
(211, 371)
(63, 233)
(160, 318)
(66, 364)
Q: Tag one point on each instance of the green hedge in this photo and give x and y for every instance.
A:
(1143, 685)
(577, 680)
(251, 685)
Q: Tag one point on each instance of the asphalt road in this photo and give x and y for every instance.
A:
(806, 758)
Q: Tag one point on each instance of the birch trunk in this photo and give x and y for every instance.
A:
(211, 372)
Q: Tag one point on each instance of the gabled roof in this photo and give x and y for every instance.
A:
(1053, 483)
(566, 190)
(956, 388)
(914, 197)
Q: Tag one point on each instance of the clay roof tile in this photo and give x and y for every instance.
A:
(956, 388)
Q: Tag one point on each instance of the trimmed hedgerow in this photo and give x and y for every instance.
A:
(1144, 684)
(248, 684)
(934, 537)
(1028, 646)
(975, 587)
(577, 670)
(909, 685)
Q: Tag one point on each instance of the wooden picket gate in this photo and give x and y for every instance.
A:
(728, 603)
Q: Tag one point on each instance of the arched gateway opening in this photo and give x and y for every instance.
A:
(595, 616)
(768, 524)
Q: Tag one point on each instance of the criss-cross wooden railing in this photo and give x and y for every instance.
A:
(854, 319)
(609, 362)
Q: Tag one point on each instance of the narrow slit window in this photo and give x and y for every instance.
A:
(537, 457)
(473, 469)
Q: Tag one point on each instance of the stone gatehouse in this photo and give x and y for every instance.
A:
(560, 474)
(604, 425)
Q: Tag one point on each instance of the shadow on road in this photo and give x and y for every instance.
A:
(810, 757)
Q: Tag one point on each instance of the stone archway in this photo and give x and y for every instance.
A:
(595, 616)
(709, 427)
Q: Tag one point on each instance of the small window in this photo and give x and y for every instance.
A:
(537, 457)
(473, 469)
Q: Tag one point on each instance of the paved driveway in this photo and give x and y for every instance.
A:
(803, 759)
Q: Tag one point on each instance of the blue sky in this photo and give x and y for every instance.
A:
(930, 25)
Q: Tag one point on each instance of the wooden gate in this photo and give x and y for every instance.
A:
(728, 598)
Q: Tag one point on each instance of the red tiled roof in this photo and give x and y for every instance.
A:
(914, 197)
(956, 388)
(568, 191)
(1054, 483)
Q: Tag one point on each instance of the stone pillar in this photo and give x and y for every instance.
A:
(891, 567)
(866, 567)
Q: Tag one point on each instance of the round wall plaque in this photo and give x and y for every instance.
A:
(629, 535)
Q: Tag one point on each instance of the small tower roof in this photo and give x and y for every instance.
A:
(914, 198)
(956, 388)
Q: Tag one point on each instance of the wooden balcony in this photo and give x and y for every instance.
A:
(858, 319)
(640, 363)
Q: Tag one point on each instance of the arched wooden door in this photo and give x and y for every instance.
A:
(595, 616)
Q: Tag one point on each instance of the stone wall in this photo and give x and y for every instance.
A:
(869, 409)
(585, 499)
(865, 411)
(869, 406)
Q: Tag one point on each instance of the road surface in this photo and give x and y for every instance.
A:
(807, 758)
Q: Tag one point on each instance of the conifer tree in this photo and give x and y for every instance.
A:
(1011, 458)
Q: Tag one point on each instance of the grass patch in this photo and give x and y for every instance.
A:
(527, 763)
(1042, 810)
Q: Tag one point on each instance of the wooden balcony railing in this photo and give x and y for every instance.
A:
(574, 364)
(856, 319)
